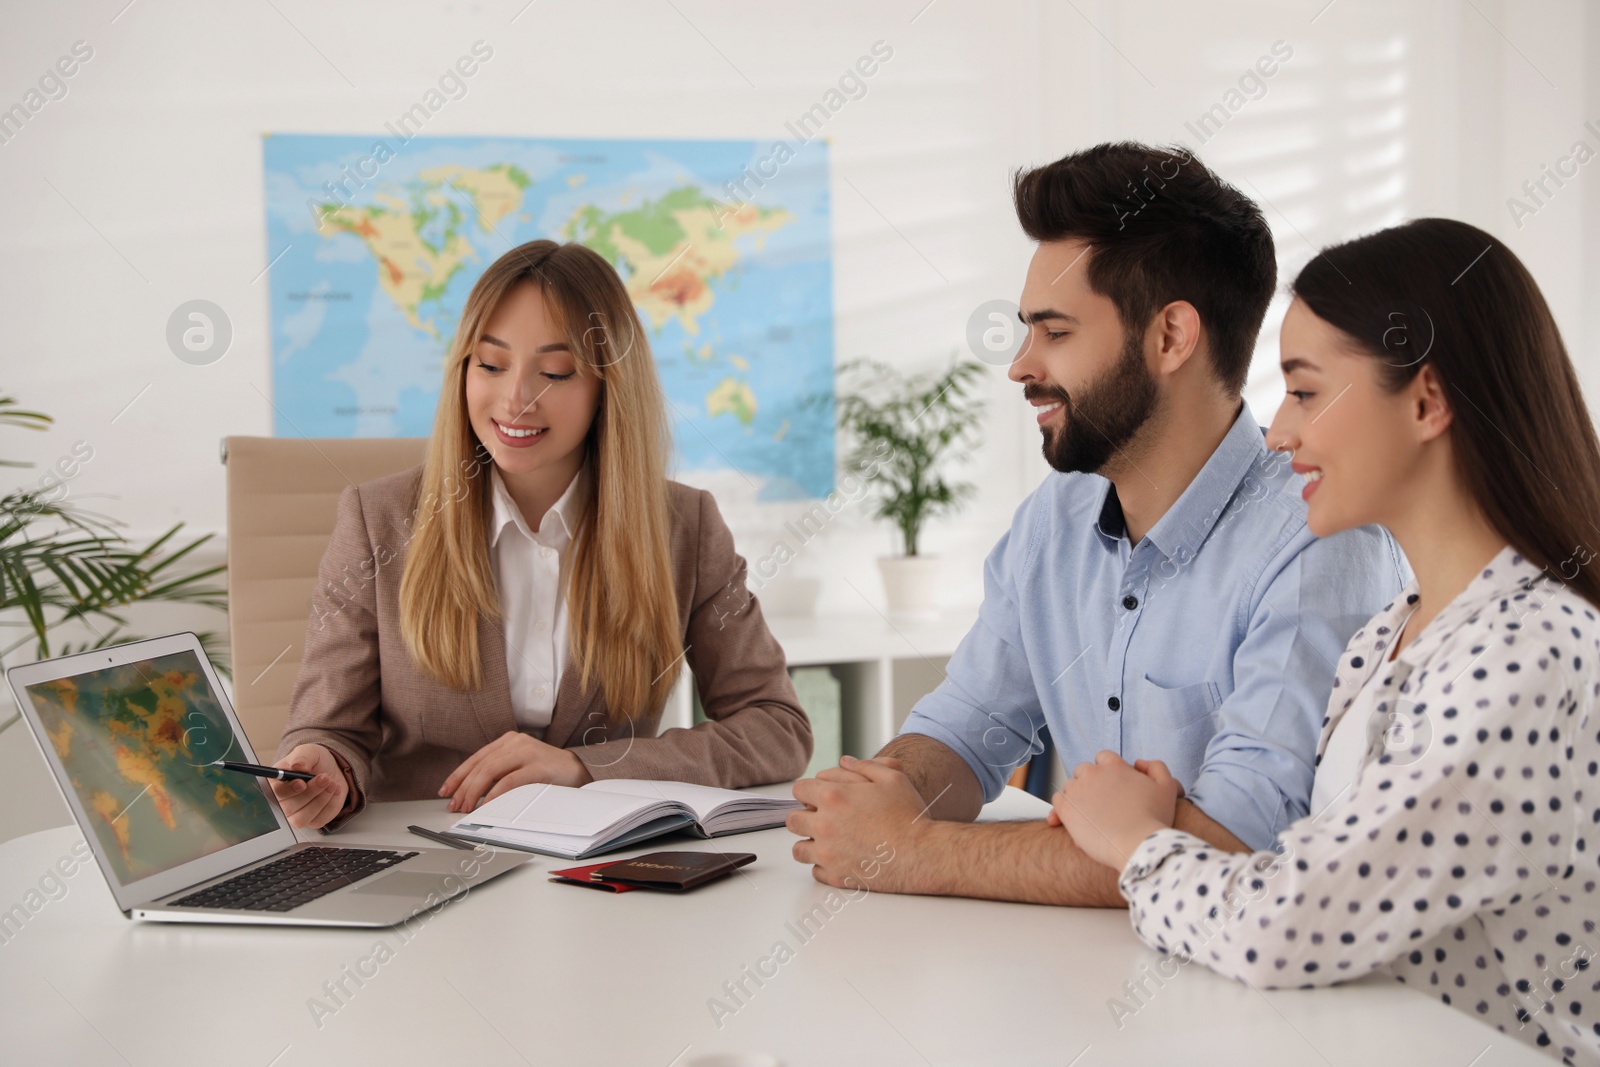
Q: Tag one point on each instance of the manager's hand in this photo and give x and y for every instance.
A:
(310, 805)
(510, 760)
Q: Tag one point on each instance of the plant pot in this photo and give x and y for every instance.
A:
(911, 585)
(789, 596)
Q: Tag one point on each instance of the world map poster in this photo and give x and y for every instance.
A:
(375, 244)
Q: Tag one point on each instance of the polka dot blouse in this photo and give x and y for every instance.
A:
(1461, 857)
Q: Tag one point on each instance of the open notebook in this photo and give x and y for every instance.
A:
(603, 816)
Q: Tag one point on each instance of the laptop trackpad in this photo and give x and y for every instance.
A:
(413, 884)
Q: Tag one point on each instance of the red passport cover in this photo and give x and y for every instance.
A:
(580, 876)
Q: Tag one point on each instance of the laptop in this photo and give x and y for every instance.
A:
(132, 733)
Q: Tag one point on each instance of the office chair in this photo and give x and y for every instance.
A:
(1034, 775)
(283, 496)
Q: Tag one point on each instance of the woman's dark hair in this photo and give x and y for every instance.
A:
(1162, 227)
(1442, 293)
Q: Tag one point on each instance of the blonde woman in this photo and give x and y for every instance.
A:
(517, 608)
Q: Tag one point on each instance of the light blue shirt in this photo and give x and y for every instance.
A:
(1210, 644)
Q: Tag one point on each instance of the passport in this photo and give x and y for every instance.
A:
(673, 872)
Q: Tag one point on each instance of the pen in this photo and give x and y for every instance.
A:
(442, 838)
(265, 772)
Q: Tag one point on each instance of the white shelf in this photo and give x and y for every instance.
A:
(884, 666)
(829, 639)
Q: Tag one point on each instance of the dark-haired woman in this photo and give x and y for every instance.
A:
(1455, 824)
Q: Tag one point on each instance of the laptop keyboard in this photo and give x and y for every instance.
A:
(296, 879)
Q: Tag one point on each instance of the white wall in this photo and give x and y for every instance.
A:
(142, 189)
(1385, 111)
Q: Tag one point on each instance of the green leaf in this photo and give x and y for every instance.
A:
(904, 429)
(61, 564)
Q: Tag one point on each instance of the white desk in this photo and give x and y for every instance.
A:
(524, 971)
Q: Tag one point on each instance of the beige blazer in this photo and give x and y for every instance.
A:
(402, 733)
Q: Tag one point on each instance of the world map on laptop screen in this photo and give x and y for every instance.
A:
(135, 740)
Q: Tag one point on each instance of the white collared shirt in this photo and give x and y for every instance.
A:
(530, 572)
(1367, 713)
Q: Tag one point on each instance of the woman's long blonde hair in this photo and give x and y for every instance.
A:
(621, 599)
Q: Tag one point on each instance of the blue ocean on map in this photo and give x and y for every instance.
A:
(374, 251)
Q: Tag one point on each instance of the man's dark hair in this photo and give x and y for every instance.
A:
(1160, 227)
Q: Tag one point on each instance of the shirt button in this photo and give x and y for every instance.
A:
(1130, 602)
(547, 552)
(539, 692)
(1114, 704)
(541, 626)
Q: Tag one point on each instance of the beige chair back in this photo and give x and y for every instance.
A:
(283, 496)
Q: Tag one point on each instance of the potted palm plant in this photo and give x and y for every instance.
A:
(903, 429)
(60, 564)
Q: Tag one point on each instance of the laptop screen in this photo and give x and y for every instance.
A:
(135, 741)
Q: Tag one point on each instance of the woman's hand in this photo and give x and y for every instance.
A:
(510, 760)
(310, 805)
(1109, 807)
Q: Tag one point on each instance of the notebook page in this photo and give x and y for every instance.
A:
(704, 800)
(559, 809)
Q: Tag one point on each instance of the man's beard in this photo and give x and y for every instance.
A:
(1105, 416)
